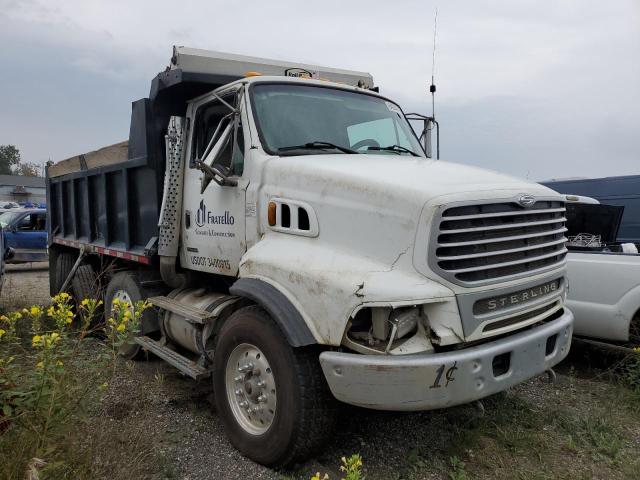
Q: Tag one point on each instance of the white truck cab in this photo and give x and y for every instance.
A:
(352, 265)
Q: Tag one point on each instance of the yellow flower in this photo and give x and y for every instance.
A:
(127, 314)
(24, 310)
(55, 336)
(121, 327)
(4, 318)
(115, 301)
(59, 363)
(35, 311)
(637, 349)
(40, 365)
(35, 341)
(84, 302)
(2, 332)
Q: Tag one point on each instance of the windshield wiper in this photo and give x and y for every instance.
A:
(316, 146)
(395, 148)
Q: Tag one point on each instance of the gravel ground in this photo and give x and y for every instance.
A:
(153, 423)
(25, 284)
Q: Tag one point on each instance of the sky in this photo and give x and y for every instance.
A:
(538, 89)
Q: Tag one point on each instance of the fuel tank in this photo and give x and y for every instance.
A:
(191, 334)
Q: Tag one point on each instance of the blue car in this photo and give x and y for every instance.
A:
(24, 233)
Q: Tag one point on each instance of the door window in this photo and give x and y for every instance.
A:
(32, 222)
(211, 144)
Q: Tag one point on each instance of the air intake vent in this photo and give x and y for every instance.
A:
(488, 243)
(295, 217)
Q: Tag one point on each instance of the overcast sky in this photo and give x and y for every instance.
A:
(538, 89)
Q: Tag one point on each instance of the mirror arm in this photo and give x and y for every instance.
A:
(226, 104)
(214, 137)
(214, 172)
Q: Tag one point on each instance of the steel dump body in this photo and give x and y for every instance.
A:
(110, 199)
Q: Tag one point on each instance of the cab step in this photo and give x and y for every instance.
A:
(192, 314)
(182, 363)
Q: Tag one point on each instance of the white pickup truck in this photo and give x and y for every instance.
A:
(604, 276)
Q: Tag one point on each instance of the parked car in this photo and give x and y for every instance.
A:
(604, 274)
(24, 233)
(5, 206)
(2, 255)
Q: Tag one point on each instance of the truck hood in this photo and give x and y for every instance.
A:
(385, 176)
(377, 209)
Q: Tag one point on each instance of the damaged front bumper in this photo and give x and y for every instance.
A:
(431, 381)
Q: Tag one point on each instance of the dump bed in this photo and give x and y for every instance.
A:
(109, 200)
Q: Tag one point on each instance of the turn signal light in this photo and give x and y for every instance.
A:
(271, 214)
(252, 74)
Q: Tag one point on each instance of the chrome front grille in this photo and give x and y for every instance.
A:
(481, 243)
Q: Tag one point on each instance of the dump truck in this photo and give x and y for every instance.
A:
(302, 250)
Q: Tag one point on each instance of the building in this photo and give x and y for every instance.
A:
(18, 188)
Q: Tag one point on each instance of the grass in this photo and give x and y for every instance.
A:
(564, 439)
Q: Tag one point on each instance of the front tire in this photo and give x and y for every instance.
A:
(272, 398)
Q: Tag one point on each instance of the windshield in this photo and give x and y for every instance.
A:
(301, 119)
(7, 218)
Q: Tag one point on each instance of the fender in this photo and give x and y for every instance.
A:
(629, 306)
(278, 306)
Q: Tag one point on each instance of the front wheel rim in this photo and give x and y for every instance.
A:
(251, 389)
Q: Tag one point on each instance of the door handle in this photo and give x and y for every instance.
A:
(187, 219)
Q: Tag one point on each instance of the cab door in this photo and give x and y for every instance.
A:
(213, 226)
(28, 237)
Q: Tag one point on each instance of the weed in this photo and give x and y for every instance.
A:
(158, 377)
(457, 469)
(351, 466)
(47, 377)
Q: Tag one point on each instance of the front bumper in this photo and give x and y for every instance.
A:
(431, 381)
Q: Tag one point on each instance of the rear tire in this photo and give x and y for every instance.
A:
(293, 386)
(62, 263)
(86, 284)
(126, 286)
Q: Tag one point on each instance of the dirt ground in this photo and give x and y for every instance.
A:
(153, 423)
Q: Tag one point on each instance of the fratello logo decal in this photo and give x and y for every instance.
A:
(207, 217)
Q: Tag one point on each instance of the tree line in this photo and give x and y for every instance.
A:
(12, 164)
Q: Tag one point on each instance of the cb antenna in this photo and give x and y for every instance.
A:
(432, 87)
